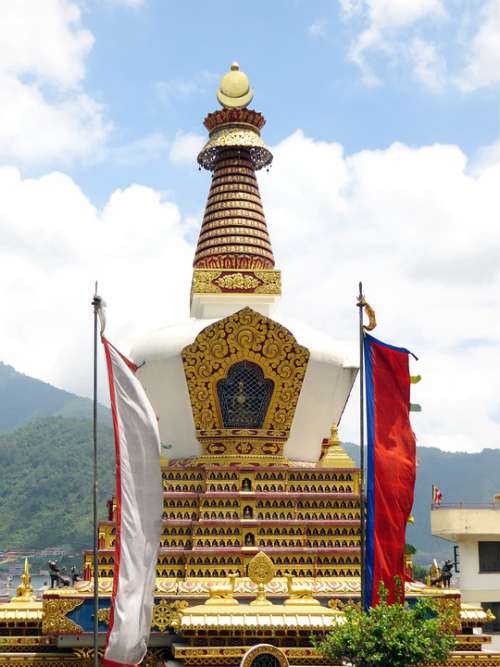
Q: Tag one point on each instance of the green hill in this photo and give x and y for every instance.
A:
(46, 471)
(46, 483)
(23, 398)
(467, 478)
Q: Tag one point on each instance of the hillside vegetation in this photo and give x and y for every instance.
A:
(46, 471)
(46, 483)
(467, 478)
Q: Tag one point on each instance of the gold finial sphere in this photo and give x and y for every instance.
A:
(234, 90)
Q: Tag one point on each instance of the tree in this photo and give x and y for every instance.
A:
(396, 635)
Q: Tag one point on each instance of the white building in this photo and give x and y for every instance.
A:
(476, 531)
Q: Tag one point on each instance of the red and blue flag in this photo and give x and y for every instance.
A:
(391, 468)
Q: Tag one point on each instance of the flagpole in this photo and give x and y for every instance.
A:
(96, 303)
(362, 440)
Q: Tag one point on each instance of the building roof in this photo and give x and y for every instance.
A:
(259, 617)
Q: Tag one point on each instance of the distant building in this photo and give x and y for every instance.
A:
(475, 529)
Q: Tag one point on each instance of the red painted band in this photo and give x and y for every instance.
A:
(116, 572)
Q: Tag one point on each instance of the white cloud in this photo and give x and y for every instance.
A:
(44, 39)
(134, 4)
(488, 156)
(186, 147)
(350, 8)
(482, 66)
(317, 28)
(396, 30)
(141, 150)
(428, 64)
(384, 14)
(386, 24)
(423, 236)
(174, 90)
(414, 224)
(54, 244)
(34, 129)
(45, 114)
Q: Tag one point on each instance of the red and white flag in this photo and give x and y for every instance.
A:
(437, 496)
(139, 501)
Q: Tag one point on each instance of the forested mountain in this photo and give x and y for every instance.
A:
(22, 399)
(467, 478)
(46, 483)
(46, 471)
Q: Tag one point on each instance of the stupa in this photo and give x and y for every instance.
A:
(261, 531)
(249, 407)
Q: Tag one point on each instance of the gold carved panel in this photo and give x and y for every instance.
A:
(55, 621)
(217, 281)
(244, 336)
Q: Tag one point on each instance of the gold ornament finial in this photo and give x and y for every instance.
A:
(234, 90)
(372, 319)
(261, 571)
(25, 590)
(334, 435)
(332, 452)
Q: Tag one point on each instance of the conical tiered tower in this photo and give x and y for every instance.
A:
(234, 233)
(234, 254)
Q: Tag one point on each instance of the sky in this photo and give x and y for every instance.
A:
(384, 120)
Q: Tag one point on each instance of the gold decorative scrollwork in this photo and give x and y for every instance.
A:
(271, 282)
(245, 336)
(451, 606)
(87, 653)
(340, 605)
(54, 620)
(104, 615)
(237, 281)
(214, 281)
(167, 614)
(261, 569)
(203, 281)
(255, 651)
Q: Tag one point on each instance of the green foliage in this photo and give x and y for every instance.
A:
(420, 572)
(46, 483)
(395, 635)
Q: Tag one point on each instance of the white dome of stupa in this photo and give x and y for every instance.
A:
(325, 390)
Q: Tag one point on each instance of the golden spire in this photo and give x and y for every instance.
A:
(333, 454)
(234, 241)
(25, 590)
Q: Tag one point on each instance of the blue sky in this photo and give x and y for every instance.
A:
(154, 67)
(384, 120)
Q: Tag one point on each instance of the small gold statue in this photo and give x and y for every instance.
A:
(299, 593)
(222, 593)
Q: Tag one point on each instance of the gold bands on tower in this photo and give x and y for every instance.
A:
(234, 231)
